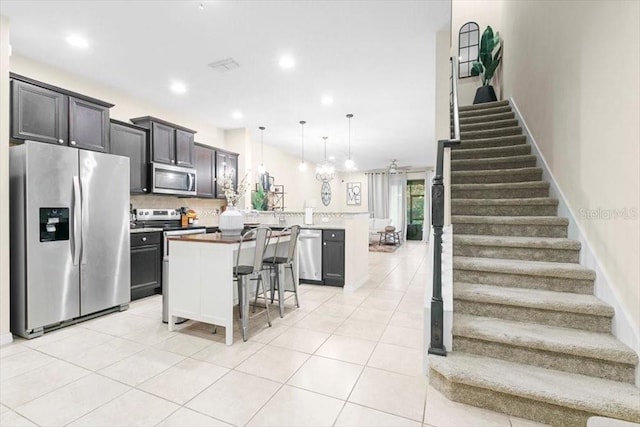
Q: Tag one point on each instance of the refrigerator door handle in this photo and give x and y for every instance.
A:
(84, 223)
(77, 220)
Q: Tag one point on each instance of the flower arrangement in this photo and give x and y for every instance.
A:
(230, 193)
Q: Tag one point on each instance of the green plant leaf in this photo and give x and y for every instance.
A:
(476, 68)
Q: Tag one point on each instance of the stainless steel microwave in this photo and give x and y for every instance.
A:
(166, 179)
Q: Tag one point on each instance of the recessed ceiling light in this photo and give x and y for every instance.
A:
(327, 100)
(78, 41)
(287, 62)
(237, 115)
(178, 87)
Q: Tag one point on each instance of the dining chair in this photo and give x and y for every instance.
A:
(274, 262)
(254, 271)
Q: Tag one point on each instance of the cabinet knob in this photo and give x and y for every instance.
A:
(324, 243)
(173, 161)
(144, 189)
(333, 235)
(73, 143)
(61, 141)
(144, 239)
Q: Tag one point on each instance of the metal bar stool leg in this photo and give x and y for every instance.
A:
(295, 285)
(264, 293)
(245, 308)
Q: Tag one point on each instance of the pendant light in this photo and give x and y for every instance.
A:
(261, 168)
(349, 164)
(325, 170)
(302, 166)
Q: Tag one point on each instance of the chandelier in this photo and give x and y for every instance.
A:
(325, 170)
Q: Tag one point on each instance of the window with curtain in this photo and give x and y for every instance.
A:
(415, 209)
(468, 41)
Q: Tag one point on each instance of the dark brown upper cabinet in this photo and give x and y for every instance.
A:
(225, 161)
(205, 170)
(45, 113)
(131, 141)
(170, 144)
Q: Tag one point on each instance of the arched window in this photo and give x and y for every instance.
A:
(468, 40)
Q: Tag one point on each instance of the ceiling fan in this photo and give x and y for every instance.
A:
(394, 168)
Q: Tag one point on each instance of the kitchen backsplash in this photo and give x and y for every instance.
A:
(208, 210)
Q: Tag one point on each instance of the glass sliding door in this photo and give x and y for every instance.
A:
(415, 209)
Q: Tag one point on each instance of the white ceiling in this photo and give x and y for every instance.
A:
(375, 58)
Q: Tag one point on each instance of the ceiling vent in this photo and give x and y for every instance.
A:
(224, 65)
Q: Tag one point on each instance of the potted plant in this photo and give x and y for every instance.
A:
(231, 222)
(489, 59)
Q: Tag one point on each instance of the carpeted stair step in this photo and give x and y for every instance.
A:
(483, 106)
(548, 249)
(543, 395)
(491, 152)
(500, 141)
(581, 352)
(537, 206)
(508, 190)
(512, 162)
(495, 176)
(487, 118)
(484, 125)
(561, 309)
(490, 133)
(462, 114)
(553, 276)
(532, 226)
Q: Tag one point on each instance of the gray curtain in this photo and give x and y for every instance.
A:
(378, 195)
(398, 201)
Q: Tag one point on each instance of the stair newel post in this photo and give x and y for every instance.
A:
(436, 346)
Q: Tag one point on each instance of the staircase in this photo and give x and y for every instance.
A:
(529, 337)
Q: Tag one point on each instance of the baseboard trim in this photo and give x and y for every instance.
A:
(6, 339)
(623, 328)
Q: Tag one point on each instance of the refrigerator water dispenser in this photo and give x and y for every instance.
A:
(54, 224)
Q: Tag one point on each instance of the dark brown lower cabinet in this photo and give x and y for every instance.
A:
(146, 264)
(333, 257)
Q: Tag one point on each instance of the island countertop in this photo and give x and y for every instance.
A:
(219, 238)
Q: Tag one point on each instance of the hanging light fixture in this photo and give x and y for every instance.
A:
(349, 163)
(261, 168)
(302, 166)
(325, 170)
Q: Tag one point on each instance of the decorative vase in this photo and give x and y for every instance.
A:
(231, 222)
(485, 94)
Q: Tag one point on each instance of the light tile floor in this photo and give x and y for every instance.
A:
(344, 358)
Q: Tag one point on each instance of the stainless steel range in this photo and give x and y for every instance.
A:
(169, 221)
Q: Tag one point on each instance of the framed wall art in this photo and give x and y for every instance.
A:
(354, 193)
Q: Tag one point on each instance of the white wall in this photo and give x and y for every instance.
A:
(573, 69)
(5, 336)
(484, 13)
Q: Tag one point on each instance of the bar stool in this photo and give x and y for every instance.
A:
(274, 262)
(262, 235)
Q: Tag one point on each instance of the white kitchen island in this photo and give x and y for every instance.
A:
(201, 285)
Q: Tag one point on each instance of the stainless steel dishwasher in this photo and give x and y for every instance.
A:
(310, 256)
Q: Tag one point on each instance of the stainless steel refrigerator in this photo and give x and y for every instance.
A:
(69, 235)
